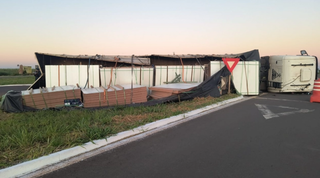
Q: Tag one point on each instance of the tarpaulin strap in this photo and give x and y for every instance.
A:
(65, 93)
(191, 72)
(74, 95)
(44, 100)
(116, 59)
(136, 73)
(65, 75)
(34, 104)
(115, 91)
(182, 70)
(92, 69)
(124, 95)
(167, 74)
(106, 96)
(99, 97)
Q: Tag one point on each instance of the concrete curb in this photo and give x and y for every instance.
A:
(29, 167)
(16, 85)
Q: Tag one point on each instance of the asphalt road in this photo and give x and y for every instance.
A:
(275, 135)
(5, 89)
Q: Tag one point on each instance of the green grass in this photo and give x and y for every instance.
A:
(29, 135)
(9, 72)
(8, 80)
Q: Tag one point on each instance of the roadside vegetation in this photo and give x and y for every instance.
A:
(9, 72)
(9, 80)
(29, 135)
(12, 76)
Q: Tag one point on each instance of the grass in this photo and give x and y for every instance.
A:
(11, 76)
(8, 80)
(29, 135)
(9, 72)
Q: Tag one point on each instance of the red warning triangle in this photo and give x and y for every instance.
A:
(230, 63)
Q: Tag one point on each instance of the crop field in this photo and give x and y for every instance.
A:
(29, 135)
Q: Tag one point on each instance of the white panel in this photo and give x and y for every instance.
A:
(64, 75)
(245, 76)
(73, 75)
(215, 66)
(51, 72)
(161, 75)
(94, 79)
(141, 76)
(146, 76)
(197, 74)
(168, 73)
(105, 76)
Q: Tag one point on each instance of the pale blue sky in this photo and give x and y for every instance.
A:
(156, 27)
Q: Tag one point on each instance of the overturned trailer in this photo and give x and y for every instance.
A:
(105, 81)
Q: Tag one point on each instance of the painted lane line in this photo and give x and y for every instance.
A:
(268, 114)
(282, 100)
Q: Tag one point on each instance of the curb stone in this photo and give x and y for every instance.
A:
(16, 85)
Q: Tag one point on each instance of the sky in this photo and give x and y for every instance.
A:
(142, 27)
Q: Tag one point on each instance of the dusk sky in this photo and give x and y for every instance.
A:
(139, 27)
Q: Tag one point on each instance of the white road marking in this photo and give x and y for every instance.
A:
(259, 98)
(268, 114)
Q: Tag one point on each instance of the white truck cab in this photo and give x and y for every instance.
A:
(292, 73)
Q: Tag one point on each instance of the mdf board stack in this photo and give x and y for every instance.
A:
(166, 90)
(115, 95)
(188, 73)
(49, 97)
(122, 75)
(63, 75)
(245, 76)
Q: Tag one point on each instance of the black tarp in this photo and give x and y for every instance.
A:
(249, 56)
(12, 102)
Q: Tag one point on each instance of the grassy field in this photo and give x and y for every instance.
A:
(29, 135)
(8, 80)
(11, 76)
(9, 72)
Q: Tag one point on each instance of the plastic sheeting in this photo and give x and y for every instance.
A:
(165, 74)
(11, 102)
(63, 75)
(245, 76)
(141, 76)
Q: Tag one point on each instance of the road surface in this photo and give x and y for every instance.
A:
(5, 89)
(275, 135)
